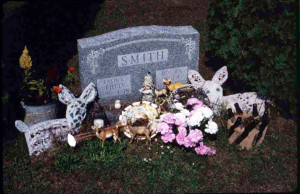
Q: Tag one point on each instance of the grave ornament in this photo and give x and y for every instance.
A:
(43, 135)
(214, 91)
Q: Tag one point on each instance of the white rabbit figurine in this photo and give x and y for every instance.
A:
(214, 91)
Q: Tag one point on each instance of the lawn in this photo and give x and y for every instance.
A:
(161, 168)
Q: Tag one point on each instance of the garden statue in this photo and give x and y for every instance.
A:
(214, 91)
(41, 136)
(147, 90)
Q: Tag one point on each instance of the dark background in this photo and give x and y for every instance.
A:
(50, 31)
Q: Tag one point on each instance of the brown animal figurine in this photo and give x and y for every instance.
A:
(136, 130)
(160, 92)
(174, 86)
(139, 130)
(107, 132)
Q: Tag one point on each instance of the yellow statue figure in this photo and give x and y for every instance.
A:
(25, 60)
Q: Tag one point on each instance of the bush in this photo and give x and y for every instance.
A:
(256, 41)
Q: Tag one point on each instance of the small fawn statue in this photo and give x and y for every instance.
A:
(160, 92)
(174, 86)
(214, 92)
(107, 133)
(41, 136)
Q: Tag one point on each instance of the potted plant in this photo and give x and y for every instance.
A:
(37, 97)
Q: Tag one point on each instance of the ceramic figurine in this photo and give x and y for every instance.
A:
(172, 87)
(147, 89)
(162, 92)
(107, 132)
(138, 111)
(214, 91)
(41, 136)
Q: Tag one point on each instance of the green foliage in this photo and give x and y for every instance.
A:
(256, 40)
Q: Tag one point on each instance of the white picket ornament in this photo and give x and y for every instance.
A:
(42, 136)
(214, 91)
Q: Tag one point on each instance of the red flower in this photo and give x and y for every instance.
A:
(56, 89)
(71, 69)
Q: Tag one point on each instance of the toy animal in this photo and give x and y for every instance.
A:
(214, 91)
(107, 132)
(41, 136)
(174, 86)
(160, 92)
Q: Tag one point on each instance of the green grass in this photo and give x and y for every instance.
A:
(121, 168)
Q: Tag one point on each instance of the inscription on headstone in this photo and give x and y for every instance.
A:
(142, 58)
(118, 61)
(114, 86)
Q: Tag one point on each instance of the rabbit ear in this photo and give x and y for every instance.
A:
(195, 78)
(65, 96)
(21, 126)
(89, 93)
(220, 76)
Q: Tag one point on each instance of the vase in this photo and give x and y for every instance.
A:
(36, 114)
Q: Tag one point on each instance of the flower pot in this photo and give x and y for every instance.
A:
(36, 114)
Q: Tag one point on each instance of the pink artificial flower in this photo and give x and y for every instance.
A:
(180, 138)
(182, 130)
(179, 122)
(195, 135)
(198, 106)
(188, 143)
(201, 150)
(169, 118)
(211, 152)
(168, 137)
(192, 101)
(192, 112)
(162, 127)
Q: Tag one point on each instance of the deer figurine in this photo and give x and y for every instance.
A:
(214, 91)
(106, 133)
(41, 136)
(136, 130)
(174, 86)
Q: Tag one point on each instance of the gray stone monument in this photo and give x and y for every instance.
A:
(118, 61)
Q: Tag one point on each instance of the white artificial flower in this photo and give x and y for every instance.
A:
(185, 112)
(195, 119)
(162, 153)
(178, 106)
(206, 112)
(180, 116)
(211, 127)
(168, 147)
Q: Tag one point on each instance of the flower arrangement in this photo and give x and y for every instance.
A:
(188, 127)
(36, 91)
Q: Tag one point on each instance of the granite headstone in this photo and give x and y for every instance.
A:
(118, 61)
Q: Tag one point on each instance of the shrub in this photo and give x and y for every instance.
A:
(256, 41)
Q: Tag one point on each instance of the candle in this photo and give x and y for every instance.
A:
(98, 123)
(117, 104)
